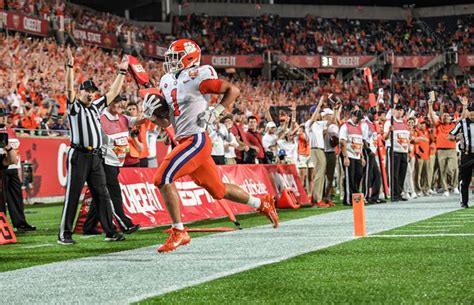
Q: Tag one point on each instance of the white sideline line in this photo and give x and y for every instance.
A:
(436, 226)
(37, 246)
(416, 231)
(423, 235)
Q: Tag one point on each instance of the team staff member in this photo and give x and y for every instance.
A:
(401, 143)
(372, 177)
(445, 149)
(464, 131)
(422, 154)
(331, 134)
(315, 130)
(115, 128)
(12, 183)
(351, 140)
(85, 161)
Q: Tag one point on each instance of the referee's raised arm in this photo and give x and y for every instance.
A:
(118, 82)
(70, 92)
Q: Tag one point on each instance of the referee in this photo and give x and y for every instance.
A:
(464, 131)
(85, 161)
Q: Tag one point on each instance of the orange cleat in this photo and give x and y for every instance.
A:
(321, 204)
(330, 203)
(177, 238)
(267, 208)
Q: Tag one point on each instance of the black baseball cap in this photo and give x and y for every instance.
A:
(358, 113)
(119, 98)
(372, 110)
(87, 85)
(237, 111)
(399, 107)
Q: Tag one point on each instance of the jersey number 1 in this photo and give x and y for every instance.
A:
(175, 102)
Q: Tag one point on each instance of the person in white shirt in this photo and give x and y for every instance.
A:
(315, 131)
(351, 141)
(288, 145)
(151, 138)
(230, 143)
(401, 140)
(218, 133)
(270, 138)
(372, 178)
(331, 136)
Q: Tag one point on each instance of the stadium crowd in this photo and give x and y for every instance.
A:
(313, 35)
(291, 36)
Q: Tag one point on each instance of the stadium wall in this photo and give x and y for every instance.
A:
(324, 11)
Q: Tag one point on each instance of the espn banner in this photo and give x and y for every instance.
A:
(103, 40)
(22, 23)
(48, 156)
(142, 201)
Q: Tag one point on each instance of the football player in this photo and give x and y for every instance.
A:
(187, 87)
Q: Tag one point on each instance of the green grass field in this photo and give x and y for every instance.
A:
(414, 264)
(377, 270)
(39, 247)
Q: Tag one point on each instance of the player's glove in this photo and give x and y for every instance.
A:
(209, 116)
(150, 103)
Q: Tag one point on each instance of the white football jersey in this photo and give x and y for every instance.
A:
(184, 98)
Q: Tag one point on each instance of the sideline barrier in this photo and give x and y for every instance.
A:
(142, 201)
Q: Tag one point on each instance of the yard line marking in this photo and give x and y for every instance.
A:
(423, 235)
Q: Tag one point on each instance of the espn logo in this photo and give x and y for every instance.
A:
(138, 68)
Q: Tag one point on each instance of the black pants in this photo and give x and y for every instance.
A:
(352, 178)
(13, 197)
(331, 160)
(113, 186)
(465, 172)
(219, 160)
(372, 177)
(144, 162)
(400, 164)
(82, 167)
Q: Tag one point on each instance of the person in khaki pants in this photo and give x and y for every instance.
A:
(446, 149)
(422, 155)
(315, 131)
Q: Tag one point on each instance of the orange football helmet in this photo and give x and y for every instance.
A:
(182, 54)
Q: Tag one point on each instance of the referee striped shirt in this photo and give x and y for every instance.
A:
(466, 127)
(86, 130)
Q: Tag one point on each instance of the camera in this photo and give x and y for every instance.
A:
(134, 132)
(3, 139)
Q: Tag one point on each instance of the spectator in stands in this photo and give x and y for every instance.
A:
(230, 143)
(254, 137)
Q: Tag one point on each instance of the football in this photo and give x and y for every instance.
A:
(163, 110)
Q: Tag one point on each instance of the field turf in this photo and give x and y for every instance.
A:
(40, 247)
(398, 269)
